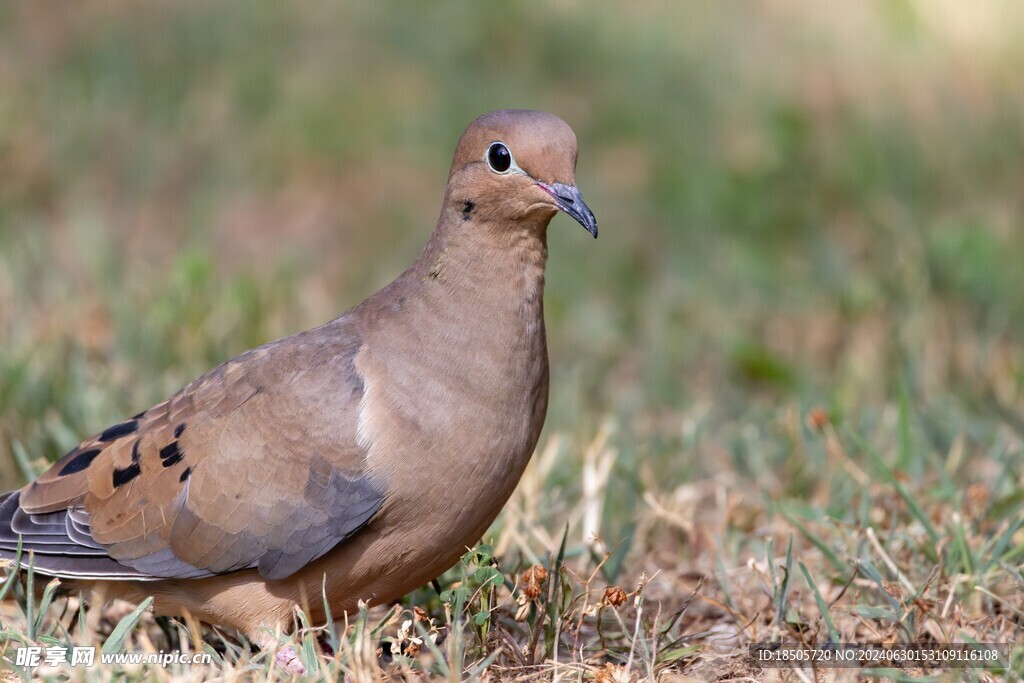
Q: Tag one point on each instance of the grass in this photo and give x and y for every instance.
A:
(788, 380)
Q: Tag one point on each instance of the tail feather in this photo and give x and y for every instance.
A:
(57, 543)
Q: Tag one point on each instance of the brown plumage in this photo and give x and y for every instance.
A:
(371, 450)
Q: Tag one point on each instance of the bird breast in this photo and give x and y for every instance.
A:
(455, 384)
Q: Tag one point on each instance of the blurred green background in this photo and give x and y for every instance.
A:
(801, 204)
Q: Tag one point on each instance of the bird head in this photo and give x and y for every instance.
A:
(517, 164)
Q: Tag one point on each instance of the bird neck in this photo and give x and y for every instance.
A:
(456, 345)
(472, 257)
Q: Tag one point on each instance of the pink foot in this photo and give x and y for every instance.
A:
(289, 660)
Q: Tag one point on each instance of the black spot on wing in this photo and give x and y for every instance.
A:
(80, 462)
(467, 209)
(170, 454)
(123, 475)
(185, 474)
(136, 417)
(135, 450)
(119, 430)
(179, 430)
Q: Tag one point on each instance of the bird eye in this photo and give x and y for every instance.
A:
(498, 157)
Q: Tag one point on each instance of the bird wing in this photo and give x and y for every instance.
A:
(254, 464)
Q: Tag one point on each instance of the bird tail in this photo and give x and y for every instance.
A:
(55, 544)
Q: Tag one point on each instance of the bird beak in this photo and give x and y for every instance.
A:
(569, 199)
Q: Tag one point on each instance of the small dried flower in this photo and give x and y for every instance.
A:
(614, 596)
(893, 589)
(420, 614)
(405, 641)
(531, 591)
(976, 498)
(535, 575)
(818, 418)
(612, 673)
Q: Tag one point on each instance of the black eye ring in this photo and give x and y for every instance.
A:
(498, 157)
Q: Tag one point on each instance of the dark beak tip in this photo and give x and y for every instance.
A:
(571, 202)
(586, 219)
(590, 225)
(588, 222)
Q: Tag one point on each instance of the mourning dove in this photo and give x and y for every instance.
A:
(371, 450)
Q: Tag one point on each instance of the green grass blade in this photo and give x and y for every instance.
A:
(869, 570)
(967, 562)
(903, 456)
(724, 579)
(44, 603)
(912, 506)
(15, 569)
(332, 632)
(439, 659)
(997, 546)
(83, 624)
(833, 632)
(783, 591)
(815, 540)
(872, 612)
(554, 621)
(30, 597)
(308, 644)
(24, 461)
(115, 643)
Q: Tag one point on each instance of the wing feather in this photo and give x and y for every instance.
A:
(255, 464)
